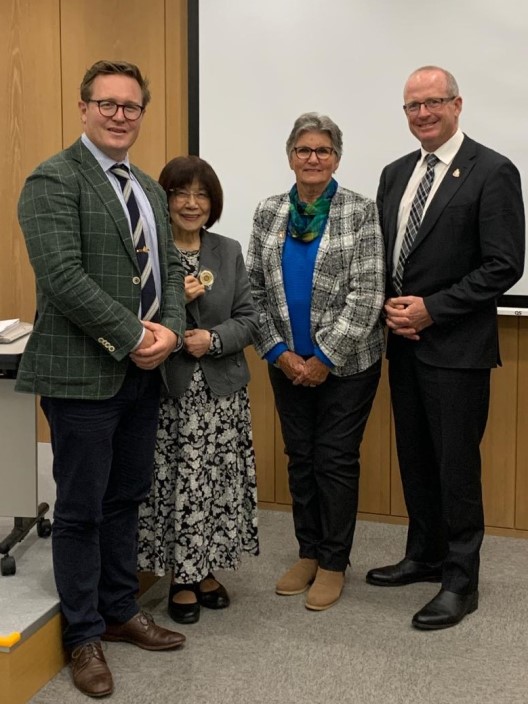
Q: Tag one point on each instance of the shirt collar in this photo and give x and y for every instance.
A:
(446, 153)
(104, 160)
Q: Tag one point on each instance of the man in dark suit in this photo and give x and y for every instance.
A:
(110, 310)
(454, 232)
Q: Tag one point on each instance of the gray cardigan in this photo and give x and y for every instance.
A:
(226, 307)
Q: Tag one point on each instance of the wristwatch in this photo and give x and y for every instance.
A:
(215, 346)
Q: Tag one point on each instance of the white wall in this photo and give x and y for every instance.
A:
(264, 62)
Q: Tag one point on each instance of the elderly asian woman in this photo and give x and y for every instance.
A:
(201, 514)
(316, 268)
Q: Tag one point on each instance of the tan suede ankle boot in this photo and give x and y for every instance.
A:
(298, 578)
(326, 590)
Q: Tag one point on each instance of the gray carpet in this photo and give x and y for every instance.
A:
(267, 649)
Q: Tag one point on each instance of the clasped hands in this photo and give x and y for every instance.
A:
(407, 316)
(157, 344)
(303, 372)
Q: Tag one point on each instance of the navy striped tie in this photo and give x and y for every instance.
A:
(415, 218)
(149, 299)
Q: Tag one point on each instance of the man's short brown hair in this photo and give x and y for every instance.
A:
(109, 68)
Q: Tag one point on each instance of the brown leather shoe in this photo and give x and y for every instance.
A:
(142, 631)
(90, 672)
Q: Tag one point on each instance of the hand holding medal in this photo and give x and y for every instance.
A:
(206, 278)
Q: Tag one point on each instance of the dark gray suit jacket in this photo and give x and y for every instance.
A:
(468, 251)
(227, 307)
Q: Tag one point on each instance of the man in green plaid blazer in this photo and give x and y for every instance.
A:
(96, 363)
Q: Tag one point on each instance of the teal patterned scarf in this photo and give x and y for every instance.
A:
(308, 220)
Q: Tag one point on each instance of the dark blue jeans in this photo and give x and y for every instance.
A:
(103, 454)
(322, 428)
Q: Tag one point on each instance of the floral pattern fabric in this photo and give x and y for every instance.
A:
(202, 510)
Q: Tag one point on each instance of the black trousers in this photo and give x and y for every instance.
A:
(440, 416)
(322, 429)
(103, 453)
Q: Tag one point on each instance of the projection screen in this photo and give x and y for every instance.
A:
(255, 66)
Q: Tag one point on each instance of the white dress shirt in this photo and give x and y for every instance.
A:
(446, 153)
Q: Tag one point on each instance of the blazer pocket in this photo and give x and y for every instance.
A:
(327, 283)
(237, 371)
(461, 244)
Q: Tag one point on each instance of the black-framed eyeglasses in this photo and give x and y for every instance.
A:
(322, 153)
(432, 104)
(108, 108)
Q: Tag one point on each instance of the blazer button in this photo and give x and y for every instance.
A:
(111, 348)
(136, 280)
(100, 340)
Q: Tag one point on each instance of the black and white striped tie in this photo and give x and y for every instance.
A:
(415, 218)
(149, 299)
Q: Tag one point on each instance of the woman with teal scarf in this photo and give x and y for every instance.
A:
(316, 267)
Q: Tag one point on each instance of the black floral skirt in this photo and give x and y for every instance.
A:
(202, 510)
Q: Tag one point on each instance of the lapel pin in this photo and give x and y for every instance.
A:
(206, 278)
(456, 173)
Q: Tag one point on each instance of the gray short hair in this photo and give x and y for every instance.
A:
(452, 85)
(314, 122)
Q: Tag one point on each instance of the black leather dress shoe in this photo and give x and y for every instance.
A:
(445, 610)
(180, 612)
(216, 599)
(405, 572)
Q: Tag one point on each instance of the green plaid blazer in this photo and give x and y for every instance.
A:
(88, 287)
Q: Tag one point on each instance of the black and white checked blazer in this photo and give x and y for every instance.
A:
(348, 285)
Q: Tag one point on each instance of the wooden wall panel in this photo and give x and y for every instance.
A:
(114, 29)
(498, 449)
(374, 483)
(282, 490)
(177, 103)
(521, 494)
(263, 423)
(498, 446)
(30, 130)
(397, 501)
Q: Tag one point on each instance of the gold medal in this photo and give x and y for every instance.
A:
(206, 278)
